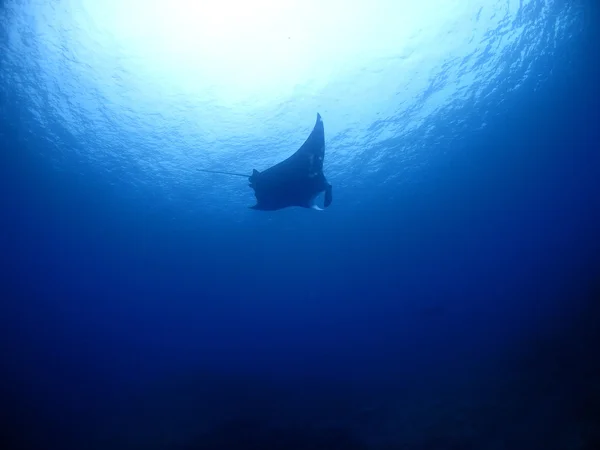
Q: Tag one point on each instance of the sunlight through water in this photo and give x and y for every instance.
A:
(153, 88)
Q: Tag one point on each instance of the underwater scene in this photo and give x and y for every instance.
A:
(299, 225)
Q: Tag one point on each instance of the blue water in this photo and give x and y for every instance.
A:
(447, 299)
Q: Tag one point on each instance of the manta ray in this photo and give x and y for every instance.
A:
(295, 181)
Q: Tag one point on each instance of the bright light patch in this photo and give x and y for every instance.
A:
(253, 50)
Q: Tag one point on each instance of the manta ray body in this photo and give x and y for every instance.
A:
(295, 181)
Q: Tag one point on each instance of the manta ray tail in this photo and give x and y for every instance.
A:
(224, 173)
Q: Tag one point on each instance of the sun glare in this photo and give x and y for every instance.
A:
(263, 48)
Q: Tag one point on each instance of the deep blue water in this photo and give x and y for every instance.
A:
(448, 298)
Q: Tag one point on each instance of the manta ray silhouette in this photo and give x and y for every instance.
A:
(295, 181)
